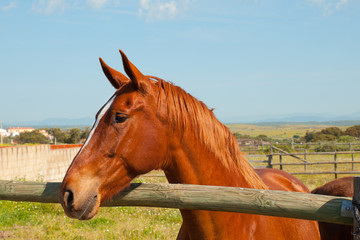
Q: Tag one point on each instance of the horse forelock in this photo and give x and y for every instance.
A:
(187, 115)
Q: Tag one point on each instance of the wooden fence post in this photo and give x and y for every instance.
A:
(357, 199)
(352, 164)
(335, 165)
(280, 158)
(270, 156)
(305, 159)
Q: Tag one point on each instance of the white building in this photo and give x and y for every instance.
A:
(4, 133)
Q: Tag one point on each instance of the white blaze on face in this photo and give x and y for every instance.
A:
(98, 119)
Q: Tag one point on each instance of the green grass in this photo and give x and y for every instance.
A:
(21, 220)
(5, 145)
(276, 132)
(47, 221)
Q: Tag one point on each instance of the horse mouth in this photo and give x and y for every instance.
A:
(84, 210)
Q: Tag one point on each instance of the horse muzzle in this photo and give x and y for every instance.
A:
(82, 205)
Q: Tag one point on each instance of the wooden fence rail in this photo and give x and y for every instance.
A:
(182, 196)
(260, 146)
(269, 160)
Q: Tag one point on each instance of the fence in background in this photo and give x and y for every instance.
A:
(50, 162)
(276, 160)
(36, 162)
(261, 146)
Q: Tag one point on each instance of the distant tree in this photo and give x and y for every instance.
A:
(335, 131)
(85, 133)
(296, 137)
(353, 131)
(263, 137)
(58, 134)
(309, 136)
(347, 139)
(32, 137)
(6, 140)
(73, 135)
(327, 134)
(321, 137)
(239, 135)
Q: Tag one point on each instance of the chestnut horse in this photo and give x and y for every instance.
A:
(152, 124)
(343, 187)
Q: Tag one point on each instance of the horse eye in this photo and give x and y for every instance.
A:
(120, 117)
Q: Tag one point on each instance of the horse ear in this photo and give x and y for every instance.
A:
(134, 74)
(116, 78)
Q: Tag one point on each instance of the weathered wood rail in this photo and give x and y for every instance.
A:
(269, 160)
(259, 146)
(182, 196)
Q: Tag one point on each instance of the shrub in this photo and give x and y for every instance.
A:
(353, 131)
(347, 139)
(334, 131)
(309, 136)
(239, 135)
(286, 147)
(331, 148)
(325, 148)
(319, 137)
(263, 137)
(32, 137)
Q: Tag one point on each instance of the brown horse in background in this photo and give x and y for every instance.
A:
(342, 187)
(152, 124)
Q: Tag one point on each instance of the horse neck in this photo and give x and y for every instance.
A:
(202, 150)
(192, 163)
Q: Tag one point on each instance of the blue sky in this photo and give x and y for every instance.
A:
(248, 59)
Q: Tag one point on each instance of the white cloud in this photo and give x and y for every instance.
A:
(341, 3)
(11, 5)
(161, 9)
(96, 4)
(328, 10)
(330, 6)
(148, 9)
(52, 6)
(49, 6)
(317, 1)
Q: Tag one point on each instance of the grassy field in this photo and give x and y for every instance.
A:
(277, 132)
(19, 220)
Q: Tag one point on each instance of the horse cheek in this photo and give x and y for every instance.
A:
(149, 155)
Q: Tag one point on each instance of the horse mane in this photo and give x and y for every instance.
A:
(186, 112)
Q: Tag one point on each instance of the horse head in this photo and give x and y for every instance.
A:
(129, 138)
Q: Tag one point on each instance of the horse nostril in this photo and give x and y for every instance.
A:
(69, 199)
